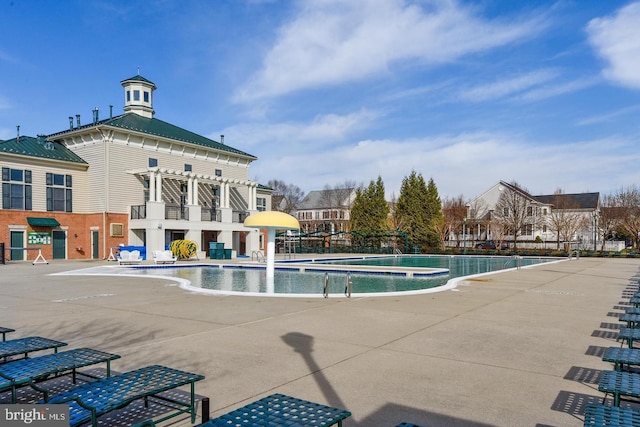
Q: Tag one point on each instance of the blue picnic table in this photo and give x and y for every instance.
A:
(281, 410)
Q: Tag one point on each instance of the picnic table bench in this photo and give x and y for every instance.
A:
(633, 320)
(281, 410)
(89, 401)
(598, 415)
(620, 356)
(629, 335)
(5, 331)
(635, 300)
(29, 371)
(27, 345)
(619, 384)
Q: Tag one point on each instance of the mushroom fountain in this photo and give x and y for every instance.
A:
(272, 221)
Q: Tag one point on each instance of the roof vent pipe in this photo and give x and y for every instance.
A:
(95, 115)
(78, 120)
(221, 139)
(17, 133)
(70, 122)
(111, 111)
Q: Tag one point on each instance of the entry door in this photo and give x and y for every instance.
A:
(95, 252)
(59, 245)
(17, 241)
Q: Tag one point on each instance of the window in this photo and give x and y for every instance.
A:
(527, 230)
(188, 168)
(529, 210)
(261, 204)
(128, 96)
(16, 191)
(146, 96)
(153, 163)
(59, 193)
(218, 172)
(136, 95)
(505, 212)
(544, 211)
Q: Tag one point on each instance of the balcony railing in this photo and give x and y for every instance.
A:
(176, 212)
(239, 216)
(139, 212)
(211, 215)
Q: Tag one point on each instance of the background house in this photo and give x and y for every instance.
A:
(506, 212)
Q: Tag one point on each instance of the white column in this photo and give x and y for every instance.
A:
(152, 186)
(159, 187)
(271, 256)
(227, 198)
(190, 191)
(195, 191)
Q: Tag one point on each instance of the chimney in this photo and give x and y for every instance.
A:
(221, 139)
(95, 116)
(78, 120)
(70, 122)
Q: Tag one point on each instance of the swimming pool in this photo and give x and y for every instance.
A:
(397, 275)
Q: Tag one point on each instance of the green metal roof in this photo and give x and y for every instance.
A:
(138, 78)
(39, 147)
(42, 222)
(153, 126)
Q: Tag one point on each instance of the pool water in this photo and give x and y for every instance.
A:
(253, 280)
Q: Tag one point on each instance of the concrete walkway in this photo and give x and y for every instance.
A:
(520, 348)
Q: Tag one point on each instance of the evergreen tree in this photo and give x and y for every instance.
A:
(419, 212)
(369, 213)
(436, 218)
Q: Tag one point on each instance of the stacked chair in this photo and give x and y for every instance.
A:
(98, 396)
(623, 381)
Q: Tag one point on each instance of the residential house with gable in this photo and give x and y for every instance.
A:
(555, 218)
(129, 179)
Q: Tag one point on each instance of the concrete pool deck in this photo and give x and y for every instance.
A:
(518, 348)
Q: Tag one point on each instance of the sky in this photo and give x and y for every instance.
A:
(324, 92)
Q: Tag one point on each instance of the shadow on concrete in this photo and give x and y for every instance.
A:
(613, 326)
(574, 404)
(612, 335)
(584, 375)
(390, 414)
(596, 350)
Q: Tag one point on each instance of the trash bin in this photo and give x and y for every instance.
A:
(216, 250)
(227, 253)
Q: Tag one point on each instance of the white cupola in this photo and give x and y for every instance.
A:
(138, 96)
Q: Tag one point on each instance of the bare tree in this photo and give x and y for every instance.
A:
(454, 211)
(610, 218)
(565, 219)
(285, 197)
(515, 210)
(629, 201)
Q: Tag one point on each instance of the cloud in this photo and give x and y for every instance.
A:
(464, 164)
(616, 38)
(507, 87)
(335, 42)
(558, 89)
(318, 134)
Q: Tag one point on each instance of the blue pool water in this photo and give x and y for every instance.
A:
(289, 280)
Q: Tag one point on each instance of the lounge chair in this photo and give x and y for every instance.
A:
(27, 345)
(89, 401)
(598, 415)
(164, 257)
(26, 372)
(126, 257)
(281, 410)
